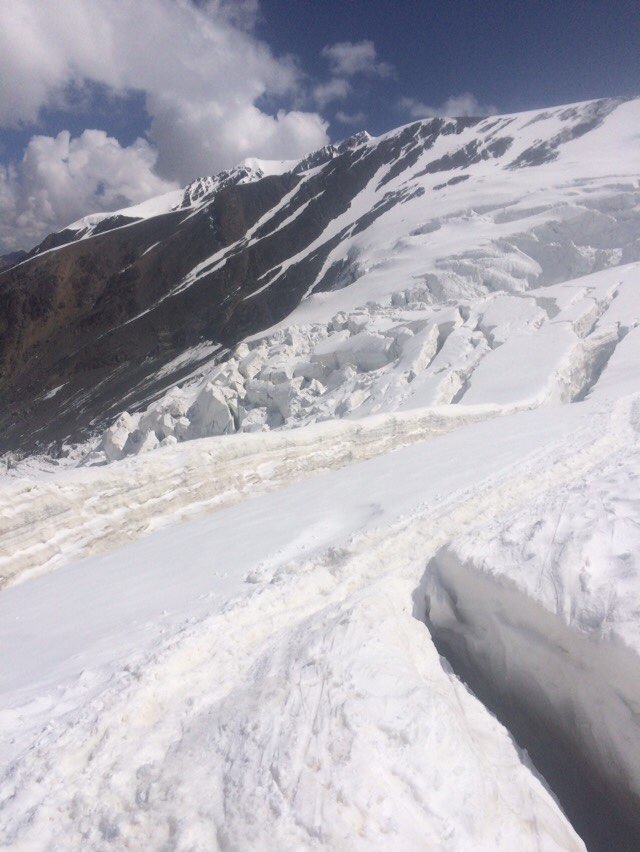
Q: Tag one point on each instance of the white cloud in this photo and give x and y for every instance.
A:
(61, 179)
(206, 137)
(202, 70)
(349, 58)
(458, 106)
(350, 118)
(336, 89)
(191, 61)
(168, 48)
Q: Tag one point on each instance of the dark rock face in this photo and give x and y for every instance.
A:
(112, 222)
(473, 152)
(56, 240)
(452, 181)
(98, 316)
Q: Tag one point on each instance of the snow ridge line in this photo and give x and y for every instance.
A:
(50, 522)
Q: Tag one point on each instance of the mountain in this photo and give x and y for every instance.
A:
(11, 259)
(114, 310)
(320, 511)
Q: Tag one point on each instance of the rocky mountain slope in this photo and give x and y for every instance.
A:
(113, 311)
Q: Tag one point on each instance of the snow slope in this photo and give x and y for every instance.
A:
(475, 260)
(234, 640)
(225, 630)
(153, 207)
(232, 621)
(191, 196)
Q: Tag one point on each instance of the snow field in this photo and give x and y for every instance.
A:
(186, 692)
(205, 663)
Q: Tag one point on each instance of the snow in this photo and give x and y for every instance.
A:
(546, 602)
(195, 195)
(142, 493)
(156, 206)
(50, 394)
(269, 167)
(338, 577)
(509, 267)
(223, 629)
(511, 350)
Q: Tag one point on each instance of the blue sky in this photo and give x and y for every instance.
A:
(515, 54)
(104, 104)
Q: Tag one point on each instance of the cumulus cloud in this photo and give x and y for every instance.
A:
(348, 58)
(206, 138)
(203, 73)
(336, 89)
(196, 65)
(62, 178)
(457, 106)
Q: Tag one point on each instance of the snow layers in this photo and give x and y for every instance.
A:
(85, 511)
(146, 717)
(570, 702)
(539, 610)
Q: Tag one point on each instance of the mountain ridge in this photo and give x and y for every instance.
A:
(103, 315)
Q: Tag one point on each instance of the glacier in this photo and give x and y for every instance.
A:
(368, 576)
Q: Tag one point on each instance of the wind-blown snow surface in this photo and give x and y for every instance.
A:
(263, 674)
(233, 680)
(263, 659)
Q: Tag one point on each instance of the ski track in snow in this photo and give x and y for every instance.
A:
(48, 522)
(227, 653)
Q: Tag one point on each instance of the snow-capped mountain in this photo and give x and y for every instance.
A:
(347, 555)
(437, 213)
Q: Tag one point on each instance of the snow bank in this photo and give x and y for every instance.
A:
(78, 512)
(542, 606)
